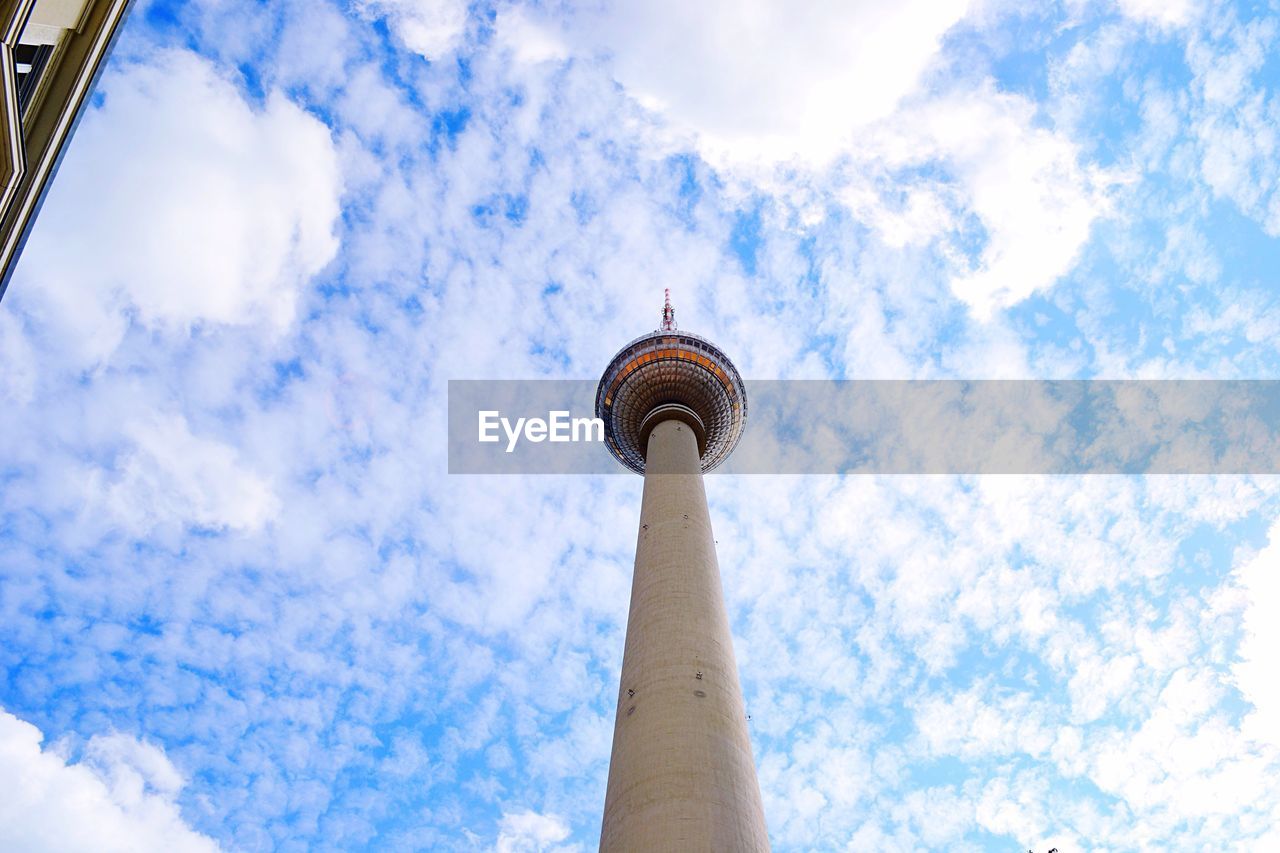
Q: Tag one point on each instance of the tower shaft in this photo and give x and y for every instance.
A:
(681, 777)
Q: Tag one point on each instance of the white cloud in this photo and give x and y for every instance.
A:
(1255, 673)
(764, 79)
(203, 209)
(120, 798)
(172, 476)
(132, 766)
(1025, 184)
(761, 83)
(18, 379)
(1236, 118)
(1165, 13)
(528, 40)
(530, 832)
(432, 28)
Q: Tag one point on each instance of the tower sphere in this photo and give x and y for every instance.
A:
(670, 374)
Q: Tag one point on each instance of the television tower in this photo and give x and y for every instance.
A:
(681, 776)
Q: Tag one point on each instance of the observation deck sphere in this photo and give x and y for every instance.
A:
(671, 368)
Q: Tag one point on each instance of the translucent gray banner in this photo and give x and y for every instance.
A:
(904, 427)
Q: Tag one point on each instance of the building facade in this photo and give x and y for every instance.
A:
(50, 54)
(681, 773)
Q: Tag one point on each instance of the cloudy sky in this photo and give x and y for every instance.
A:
(243, 606)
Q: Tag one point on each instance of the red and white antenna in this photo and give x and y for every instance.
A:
(668, 313)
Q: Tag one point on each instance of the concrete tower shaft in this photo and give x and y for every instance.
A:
(681, 777)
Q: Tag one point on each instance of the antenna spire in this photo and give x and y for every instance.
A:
(668, 313)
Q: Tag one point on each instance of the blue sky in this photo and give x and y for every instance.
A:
(243, 607)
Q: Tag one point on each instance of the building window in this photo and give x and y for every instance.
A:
(30, 60)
